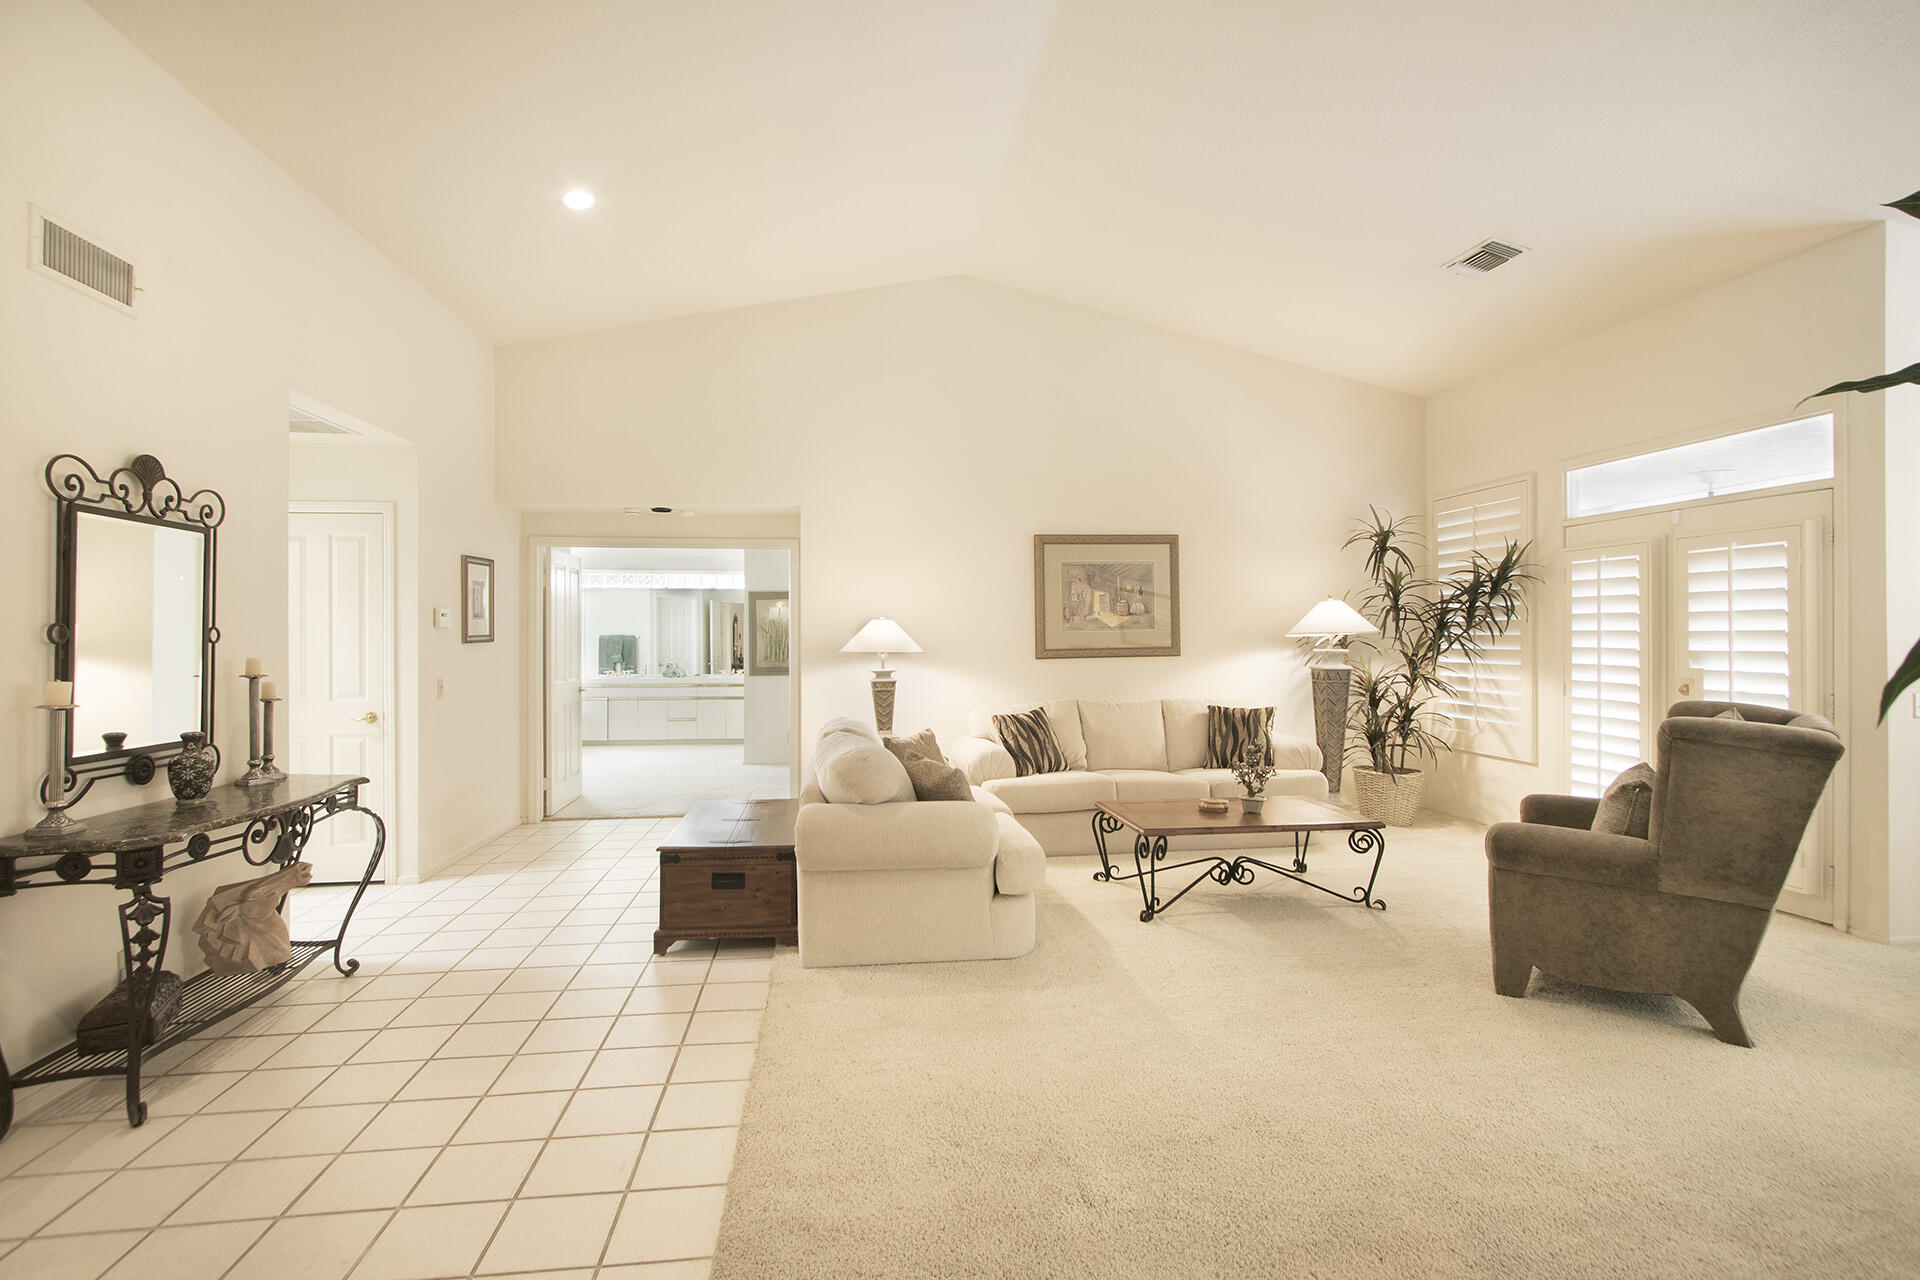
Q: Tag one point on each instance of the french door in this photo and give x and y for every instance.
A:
(1724, 601)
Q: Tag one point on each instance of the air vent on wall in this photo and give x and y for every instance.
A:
(302, 423)
(60, 251)
(1484, 257)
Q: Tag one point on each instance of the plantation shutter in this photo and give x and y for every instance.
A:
(1739, 594)
(1608, 628)
(1493, 707)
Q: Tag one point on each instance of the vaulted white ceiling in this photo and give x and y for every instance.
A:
(1286, 176)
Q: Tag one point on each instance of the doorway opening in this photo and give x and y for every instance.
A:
(666, 678)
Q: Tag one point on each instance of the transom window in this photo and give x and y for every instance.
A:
(1787, 453)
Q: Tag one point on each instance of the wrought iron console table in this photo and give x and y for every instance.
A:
(129, 850)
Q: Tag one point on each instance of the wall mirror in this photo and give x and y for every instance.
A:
(133, 614)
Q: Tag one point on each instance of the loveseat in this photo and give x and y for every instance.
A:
(884, 878)
(1154, 750)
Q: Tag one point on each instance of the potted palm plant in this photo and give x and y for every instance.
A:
(1397, 713)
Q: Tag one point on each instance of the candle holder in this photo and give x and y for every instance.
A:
(58, 821)
(255, 776)
(267, 769)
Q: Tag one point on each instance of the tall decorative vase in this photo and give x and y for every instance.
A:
(190, 774)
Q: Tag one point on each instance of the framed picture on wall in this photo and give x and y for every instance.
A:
(1106, 595)
(476, 600)
(768, 629)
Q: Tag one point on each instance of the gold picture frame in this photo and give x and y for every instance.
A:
(1106, 595)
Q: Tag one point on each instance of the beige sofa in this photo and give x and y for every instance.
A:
(898, 879)
(1154, 750)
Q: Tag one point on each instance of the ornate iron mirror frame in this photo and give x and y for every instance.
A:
(141, 492)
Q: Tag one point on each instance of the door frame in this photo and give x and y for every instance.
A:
(533, 632)
(1839, 568)
(398, 860)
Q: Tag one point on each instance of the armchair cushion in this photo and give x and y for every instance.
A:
(922, 743)
(1627, 807)
(1124, 735)
(1053, 792)
(1567, 854)
(936, 835)
(935, 779)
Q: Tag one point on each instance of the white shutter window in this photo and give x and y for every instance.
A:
(1608, 629)
(1739, 594)
(1493, 711)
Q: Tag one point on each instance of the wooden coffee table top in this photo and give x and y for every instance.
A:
(752, 826)
(1282, 813)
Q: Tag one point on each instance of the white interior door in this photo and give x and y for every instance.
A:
(1746, 629)
(338, 712)
(563, 680)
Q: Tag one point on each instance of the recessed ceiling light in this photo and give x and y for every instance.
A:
(578, 199)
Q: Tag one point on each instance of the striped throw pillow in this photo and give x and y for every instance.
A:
(1231, 730)
(1028, 738)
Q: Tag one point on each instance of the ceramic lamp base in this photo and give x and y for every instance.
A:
(883, 691)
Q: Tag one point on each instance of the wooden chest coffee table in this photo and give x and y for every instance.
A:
(1154, 822)
(726, 871)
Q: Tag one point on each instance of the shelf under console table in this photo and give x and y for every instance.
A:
(133, 849)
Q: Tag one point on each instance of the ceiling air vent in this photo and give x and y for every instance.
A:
(302, 423)
(62, 252)
(1484, 257)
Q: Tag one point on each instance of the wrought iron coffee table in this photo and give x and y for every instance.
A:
(1154, 822)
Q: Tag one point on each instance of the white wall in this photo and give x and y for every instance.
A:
(926, 432)
(251, 291)
(769, 699)
(1746, 350)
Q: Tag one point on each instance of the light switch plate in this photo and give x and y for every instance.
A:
(442, 619)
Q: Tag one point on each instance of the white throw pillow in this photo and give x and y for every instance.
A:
(853, 768)
(1124, 735)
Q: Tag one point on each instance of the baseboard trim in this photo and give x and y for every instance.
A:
(458, 854)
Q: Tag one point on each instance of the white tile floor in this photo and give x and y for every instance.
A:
(628, 780)
(513, 1085)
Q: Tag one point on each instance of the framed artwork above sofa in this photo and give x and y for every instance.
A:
(1106, 595)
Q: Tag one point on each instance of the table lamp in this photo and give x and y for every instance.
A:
(882, 636)
(1328, 624)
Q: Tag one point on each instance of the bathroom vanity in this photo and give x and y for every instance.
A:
(662, 709)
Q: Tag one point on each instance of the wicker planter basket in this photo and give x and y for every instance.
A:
(1392, 798)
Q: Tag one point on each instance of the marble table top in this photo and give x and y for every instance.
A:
(147, 826)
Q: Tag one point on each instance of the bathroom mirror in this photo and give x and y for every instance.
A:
(134, 614)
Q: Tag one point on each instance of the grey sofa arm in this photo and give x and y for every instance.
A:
(1560, 811)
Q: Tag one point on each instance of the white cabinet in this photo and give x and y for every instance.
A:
(663, 713)
(593, 719)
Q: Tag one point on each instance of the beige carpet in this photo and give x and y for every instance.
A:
(1269, 1082)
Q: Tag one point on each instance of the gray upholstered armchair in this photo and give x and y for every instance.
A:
(1682, 912)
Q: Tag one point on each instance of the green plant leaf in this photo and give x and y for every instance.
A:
(1910, 374)
(1903, 679)
(1909, 206)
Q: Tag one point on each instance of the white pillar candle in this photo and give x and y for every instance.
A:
(59, 693)
(254, 666)
(269, 690)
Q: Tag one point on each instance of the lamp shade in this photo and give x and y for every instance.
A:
(881, 635)
(1332, 617)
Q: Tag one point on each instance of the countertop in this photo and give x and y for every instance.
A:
(662, 682)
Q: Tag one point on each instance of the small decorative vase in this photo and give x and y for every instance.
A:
(1252, 804)
(114, 741)
(190, 773)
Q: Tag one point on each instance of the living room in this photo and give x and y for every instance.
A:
(908, 288)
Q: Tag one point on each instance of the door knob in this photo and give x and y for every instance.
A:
(372, 717)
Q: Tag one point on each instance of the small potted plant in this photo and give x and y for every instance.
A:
(1251, 770)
